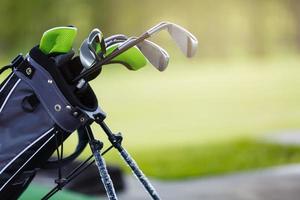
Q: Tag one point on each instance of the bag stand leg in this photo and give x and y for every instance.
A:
(96, 146)
(116, 140)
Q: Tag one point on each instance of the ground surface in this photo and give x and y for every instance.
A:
(275, 183)
(38, 190)
(270, 184)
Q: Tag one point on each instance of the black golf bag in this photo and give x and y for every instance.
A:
(38, 111)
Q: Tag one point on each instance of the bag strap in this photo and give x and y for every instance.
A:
(3, 69)
(14, 63)
(82, 142)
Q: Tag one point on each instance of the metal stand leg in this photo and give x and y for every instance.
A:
(96, 146)
(139, 174)
(116, 141)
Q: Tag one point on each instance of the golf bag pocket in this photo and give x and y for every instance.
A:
(35, 118)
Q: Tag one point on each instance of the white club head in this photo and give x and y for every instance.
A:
(186, 41)
(156, 55)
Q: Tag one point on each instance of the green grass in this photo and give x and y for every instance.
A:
(212, 159)
(189, 121)
(208, 103)
(193, 119)
(35, 191)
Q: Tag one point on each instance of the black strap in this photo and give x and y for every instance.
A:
(14, 63)
(3, 69)
(82, 142)
(73, 174)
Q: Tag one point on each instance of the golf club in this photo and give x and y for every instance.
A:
(91, 51)
(155, 54)
(184, 39)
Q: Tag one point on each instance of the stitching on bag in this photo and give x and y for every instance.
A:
(28, 160)
(26, 149)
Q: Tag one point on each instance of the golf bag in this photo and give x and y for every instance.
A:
(38, 111)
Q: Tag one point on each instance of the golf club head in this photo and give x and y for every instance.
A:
(155, 54)
(91, 48)
(186, 41)
(87, 57)
(96, 42)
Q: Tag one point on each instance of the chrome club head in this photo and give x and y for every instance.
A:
(186, 41)
(156, 55)
(92, 48)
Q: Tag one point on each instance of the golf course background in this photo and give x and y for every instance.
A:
(204, 116)
(204, 120)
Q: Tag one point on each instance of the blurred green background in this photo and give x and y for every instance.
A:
(203, 116)
(227, 29)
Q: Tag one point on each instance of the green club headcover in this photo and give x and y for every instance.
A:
(133, 58)
(58, 40)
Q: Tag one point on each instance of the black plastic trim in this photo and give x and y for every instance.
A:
(49, 65)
